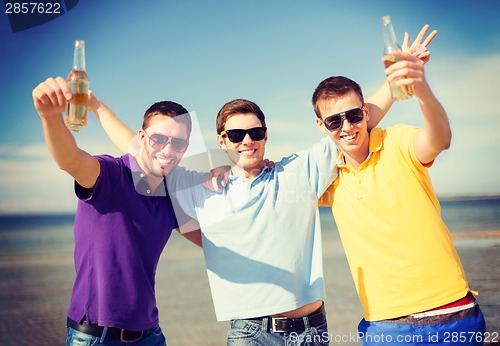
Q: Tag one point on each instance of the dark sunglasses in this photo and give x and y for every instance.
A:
(158, 142)
(237, 135)
(353, 116)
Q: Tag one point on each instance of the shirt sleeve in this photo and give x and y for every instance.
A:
(404, 137)
(182, 187)
(320, 164)
(105, 183)
(184, 222)
(326, 199)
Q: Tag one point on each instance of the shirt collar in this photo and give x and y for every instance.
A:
(140, 182)
(374, 146)
(233, 177)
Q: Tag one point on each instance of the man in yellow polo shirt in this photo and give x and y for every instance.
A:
(406, 270)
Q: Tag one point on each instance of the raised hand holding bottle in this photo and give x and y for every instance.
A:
(398, 92)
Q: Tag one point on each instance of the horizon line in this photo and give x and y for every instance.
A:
(441, 198)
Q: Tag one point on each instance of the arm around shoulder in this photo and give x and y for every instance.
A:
(116, 130)
(379, 104)
(193, 236)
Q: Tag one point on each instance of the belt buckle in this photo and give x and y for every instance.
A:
(127, 341)
(274, 328)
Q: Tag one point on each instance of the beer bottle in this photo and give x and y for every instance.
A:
(398, 92)
(76, 114)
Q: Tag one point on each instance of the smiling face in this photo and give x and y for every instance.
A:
(154, 160)
(247, 156)
(352, 139)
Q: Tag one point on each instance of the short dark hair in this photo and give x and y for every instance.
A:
(333, 88)
(168, 109)
(238, 106)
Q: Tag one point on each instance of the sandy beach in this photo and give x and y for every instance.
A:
(35, 289)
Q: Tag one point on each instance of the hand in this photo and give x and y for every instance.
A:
(93, 103)
(217, 179)
(408, 71)
(417, 48)
(269, 164)
(50, 97)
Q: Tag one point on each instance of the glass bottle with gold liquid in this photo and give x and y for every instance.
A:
(398, 92)
(76, 113)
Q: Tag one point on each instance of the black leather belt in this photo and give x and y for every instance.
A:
(289, 325)
(113, 333)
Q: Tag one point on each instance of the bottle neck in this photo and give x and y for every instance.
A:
(79, 57)
(391, 45)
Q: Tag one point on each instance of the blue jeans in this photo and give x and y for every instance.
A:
(469, 330)
(248, 333)
(154, 337)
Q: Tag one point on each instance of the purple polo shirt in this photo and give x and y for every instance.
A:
(121, 228)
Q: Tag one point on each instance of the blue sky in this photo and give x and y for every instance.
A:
(205, 53)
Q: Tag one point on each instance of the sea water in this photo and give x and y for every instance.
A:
(55, 232)
(460, 215)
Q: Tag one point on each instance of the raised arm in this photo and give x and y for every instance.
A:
(379, 104)
(435, 136)
(381, 101)
(116, 130)
(50, 99)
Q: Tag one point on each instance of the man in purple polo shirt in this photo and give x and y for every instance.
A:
(123, 219)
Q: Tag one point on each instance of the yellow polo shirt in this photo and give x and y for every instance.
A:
(399, 250)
